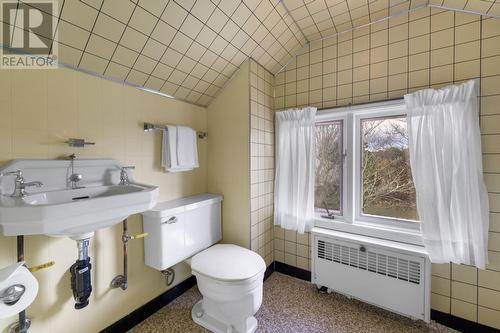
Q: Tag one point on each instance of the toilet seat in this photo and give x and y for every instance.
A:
(230, 279)
(228, 263)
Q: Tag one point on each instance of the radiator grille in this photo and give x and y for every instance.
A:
(388, 265)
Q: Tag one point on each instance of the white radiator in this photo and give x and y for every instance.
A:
(383, 273)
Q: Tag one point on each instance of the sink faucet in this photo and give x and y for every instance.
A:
(20, 185)
(75, 177)
(124, 175)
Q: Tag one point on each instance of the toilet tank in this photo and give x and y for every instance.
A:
(178, 229)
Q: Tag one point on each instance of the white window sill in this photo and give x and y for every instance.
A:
(370, 230)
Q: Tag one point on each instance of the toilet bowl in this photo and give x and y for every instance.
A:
(230, 279)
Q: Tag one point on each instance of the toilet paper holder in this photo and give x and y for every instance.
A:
(12, 294)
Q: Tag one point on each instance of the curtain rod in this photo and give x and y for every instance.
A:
(362, 103)
(148, 127)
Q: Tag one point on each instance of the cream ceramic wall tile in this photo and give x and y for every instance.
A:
(465, 292)
(440, 286)
(442, 38)
(441, 75)
(261, 188)
(442, 270)
(494, 261)
(495, 222)
(467, 32)
(489, 317)
(442, 56)
(440, 303)
(490, 46)
(493, 241)
(464, 310)
(489, 279)
(489, 298)
(467, 70)
(463, 273)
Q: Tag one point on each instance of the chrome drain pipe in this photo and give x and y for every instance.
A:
(80, 275)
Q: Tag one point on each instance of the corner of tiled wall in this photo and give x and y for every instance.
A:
(385, 60)
(261, 161)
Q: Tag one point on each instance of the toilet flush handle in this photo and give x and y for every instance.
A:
(171, 220)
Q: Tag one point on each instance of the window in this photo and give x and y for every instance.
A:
(387, 184)
(363, 172)
(329, 166)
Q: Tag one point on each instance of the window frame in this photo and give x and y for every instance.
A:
(343, 197)
(353, 220)
(358, 150)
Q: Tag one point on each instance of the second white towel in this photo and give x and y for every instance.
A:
(179, 149)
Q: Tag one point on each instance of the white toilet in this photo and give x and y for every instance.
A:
(229, 277)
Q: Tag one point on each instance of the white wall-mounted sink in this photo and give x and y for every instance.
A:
(57, 210)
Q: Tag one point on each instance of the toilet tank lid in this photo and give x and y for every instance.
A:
(227, 262)
(182, 204)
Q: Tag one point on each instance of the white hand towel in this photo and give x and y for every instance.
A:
(169, 148)
(187, 150)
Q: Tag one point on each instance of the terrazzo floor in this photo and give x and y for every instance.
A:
(291, 305)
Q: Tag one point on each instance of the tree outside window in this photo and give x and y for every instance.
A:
(329, 161)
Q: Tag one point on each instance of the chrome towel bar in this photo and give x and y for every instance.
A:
(148, 127)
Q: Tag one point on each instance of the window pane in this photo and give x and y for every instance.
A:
(328, 186)
(388, 188)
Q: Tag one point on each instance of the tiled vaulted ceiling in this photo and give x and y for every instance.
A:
(485, 7)
(184, 48)
(321, 18)
(190, 48)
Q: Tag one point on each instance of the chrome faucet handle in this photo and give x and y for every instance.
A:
(124, 175)
(20, 190)
(18, 182)
(30, 184)
(20, 187)
(17, 173)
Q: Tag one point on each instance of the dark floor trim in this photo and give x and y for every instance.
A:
(269, 271)
(138, 315)
(460, 324)
(292, 271)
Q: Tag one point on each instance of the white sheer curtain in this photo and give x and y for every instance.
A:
(445, 157)
(295, 169)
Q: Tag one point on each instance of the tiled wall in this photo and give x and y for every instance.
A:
(261, 160)
(386, 60)
(39, 110)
